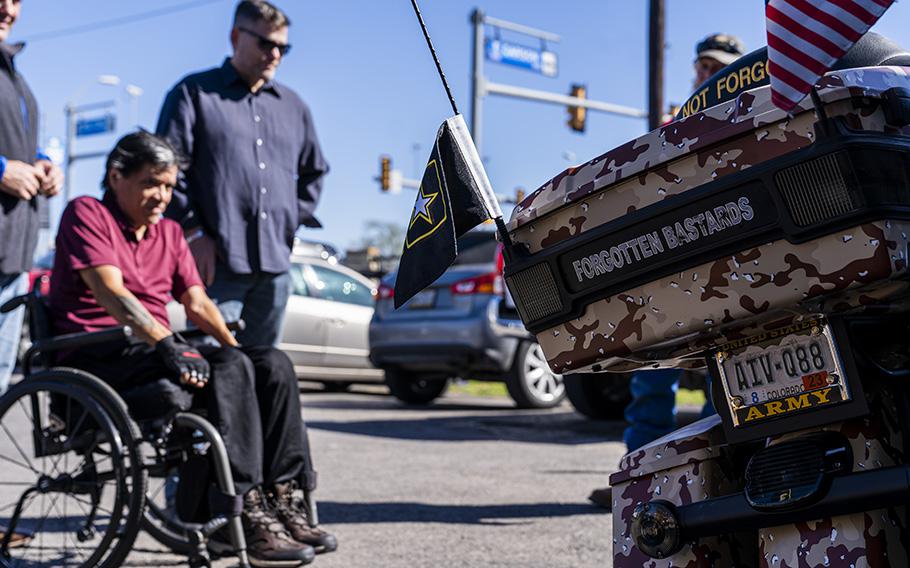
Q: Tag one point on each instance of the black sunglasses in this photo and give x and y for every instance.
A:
(267, 45)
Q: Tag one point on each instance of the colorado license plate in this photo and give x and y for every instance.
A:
(781, 372)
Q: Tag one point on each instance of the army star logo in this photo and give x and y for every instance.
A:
(421, 208)
(429, 210)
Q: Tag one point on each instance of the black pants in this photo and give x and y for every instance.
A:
(252, 399)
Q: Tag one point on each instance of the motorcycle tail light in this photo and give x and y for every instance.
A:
(655, 529)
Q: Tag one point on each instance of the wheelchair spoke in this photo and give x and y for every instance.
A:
(65, 531)
(78, 424)
(25, 409)
(157, 492)
(22, 465)
(28, 501)
(19, 448)
(89, 503)
(55, 461)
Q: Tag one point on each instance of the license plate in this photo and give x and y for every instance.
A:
(782, 372)
(422, 300)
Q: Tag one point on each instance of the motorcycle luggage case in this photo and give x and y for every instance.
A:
(731, 221)
(683, 467)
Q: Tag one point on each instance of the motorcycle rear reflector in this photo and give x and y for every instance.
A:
(536, 293)
(815, 191)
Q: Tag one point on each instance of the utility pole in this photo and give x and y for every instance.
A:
(477, 79)
(481, 87)
(655, 63)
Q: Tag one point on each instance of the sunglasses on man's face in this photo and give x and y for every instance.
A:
(267, 45)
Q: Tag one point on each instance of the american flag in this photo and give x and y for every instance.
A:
(807, 37)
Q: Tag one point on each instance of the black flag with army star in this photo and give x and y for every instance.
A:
(454, 197)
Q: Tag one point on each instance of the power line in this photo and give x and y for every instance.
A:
(113, 22)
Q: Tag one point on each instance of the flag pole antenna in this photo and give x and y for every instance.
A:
(442, 75)
(500, 223)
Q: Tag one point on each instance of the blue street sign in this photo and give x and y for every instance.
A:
(537, 60)
(96, 125)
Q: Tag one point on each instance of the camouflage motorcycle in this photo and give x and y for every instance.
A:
(771, 248)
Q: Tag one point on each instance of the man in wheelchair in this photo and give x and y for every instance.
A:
(118, 262)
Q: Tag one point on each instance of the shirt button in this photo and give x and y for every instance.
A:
(261, 165)
(257, 118)
(263, 215)
(259, 141)
(262, 190)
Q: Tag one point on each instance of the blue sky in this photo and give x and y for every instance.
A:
(364, 69)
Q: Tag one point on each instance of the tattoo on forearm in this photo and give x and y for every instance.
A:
(137, 312)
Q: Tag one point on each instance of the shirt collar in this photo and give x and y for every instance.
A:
(230, 76)
(110, 201)
(9, 50)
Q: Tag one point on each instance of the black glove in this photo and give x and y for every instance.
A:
(184, 359)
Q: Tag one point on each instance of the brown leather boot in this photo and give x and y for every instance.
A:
(267, 542)
(287, 501)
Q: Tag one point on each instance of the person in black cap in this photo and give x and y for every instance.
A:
(713, 54)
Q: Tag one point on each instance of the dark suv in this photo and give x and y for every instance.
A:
(463, 326)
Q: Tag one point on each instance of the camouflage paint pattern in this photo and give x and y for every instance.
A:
(664, 322)
(682, 467)
(685, 467)
(715, 302)
(749, 113)
(871, 539)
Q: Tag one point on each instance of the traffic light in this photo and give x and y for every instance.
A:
(577, 114)
(519, 195)
(385, 172)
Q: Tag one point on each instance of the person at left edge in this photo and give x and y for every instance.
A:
(26, 177)
(253, 175)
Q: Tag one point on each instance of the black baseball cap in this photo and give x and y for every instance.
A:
(722, 47)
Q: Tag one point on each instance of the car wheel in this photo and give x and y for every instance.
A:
(600, 396)
(335, 386)
(530, 382)
(415, 388)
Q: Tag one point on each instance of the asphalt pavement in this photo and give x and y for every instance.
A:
(465, 482)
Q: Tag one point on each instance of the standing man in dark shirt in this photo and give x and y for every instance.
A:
(24, 175)
(254, 171)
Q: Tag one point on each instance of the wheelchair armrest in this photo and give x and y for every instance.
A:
(14, 303)
(81, 339)
(238, 325)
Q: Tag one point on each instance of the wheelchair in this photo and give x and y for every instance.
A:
(84, 468)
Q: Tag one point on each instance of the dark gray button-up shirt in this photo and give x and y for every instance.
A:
(255, 166)
(18, 141)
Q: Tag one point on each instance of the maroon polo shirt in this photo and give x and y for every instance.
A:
(95, 233)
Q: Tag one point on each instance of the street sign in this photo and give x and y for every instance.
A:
(96, 125)
(537, 60)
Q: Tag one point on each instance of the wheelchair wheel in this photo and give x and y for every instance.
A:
(161, 522)
(72, 486)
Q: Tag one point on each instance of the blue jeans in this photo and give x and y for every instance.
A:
(11, 285)
(259, 299)
(652, 412)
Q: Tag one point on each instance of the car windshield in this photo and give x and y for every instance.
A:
(476, 248)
